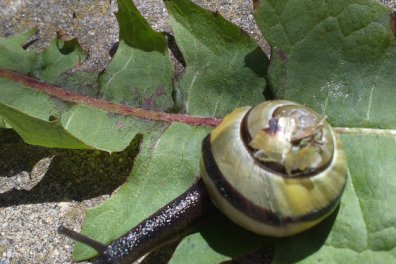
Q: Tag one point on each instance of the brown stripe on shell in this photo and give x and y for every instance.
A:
(247, 207)
(272, 167)
(244, 131)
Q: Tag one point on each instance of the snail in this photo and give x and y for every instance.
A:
(276, 169)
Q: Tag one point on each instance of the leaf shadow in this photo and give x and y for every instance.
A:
(254, 61)
(303, 245)
(68, 46)
(231, 240)
(71, 175)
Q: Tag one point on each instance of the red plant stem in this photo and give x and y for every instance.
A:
(107, 106)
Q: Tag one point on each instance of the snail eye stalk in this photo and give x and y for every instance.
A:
(99, 247)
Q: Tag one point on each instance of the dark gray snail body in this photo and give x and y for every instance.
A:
(276, 169)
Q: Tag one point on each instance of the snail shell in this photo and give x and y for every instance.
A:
(276, 169)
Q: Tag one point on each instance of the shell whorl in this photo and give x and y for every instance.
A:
(276, 169)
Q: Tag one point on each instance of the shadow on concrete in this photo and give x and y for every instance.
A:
(71, 175)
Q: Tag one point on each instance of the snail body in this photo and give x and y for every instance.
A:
(276, 169)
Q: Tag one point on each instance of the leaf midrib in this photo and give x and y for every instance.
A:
(50, 90)
(152, 115)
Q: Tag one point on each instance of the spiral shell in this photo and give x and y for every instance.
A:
(276, 169)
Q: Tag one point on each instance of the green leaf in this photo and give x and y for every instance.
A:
(364, 231)
(138, 78)
(80, 82)
(218, 241)
(136, 32)
(336, 57)
(193, 249)
(162, 168)
(41, 119)
(14, 56)
(58, 124)
(141, 72)
(339, 58)
(224, 66)
(63, 54)
(35, 117)
(60, 56)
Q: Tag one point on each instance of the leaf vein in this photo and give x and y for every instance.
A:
(119, 71)
(365, 131)
(360, 206)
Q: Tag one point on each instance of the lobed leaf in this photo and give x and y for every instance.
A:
(225, 68)
(14, 56)
(42, 119)
(45, 120)
(141, 72)
(63, 54)
(334, 56)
